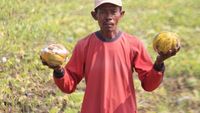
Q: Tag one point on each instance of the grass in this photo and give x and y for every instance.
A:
(26, 26)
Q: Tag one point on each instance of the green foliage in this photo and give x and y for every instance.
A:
(26, 26)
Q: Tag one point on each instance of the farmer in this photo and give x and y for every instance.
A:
(107, 59)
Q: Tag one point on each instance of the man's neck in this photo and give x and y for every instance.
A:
(110, 34)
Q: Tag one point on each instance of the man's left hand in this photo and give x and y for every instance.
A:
(163, 56)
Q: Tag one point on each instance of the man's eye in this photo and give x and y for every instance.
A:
(114, 12)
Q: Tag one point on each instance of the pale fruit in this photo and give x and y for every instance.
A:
(165, 41)
(54, 54)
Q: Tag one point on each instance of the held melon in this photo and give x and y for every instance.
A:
(54, 54)
(165, 41)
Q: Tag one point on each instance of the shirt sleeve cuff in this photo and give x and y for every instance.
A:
(58, 74)
(159, 67)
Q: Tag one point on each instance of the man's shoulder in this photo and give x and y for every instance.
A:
(134, 42)
(131, 38)
(85, 39)
(84, 42)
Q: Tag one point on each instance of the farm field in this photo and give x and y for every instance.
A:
(26, 26)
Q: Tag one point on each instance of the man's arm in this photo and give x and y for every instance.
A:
(68, 77)
(66, 80)
(151, 75)
(153, 78)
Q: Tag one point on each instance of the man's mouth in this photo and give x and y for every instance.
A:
(108, 24)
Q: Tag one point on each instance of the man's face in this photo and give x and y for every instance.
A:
(108, 16)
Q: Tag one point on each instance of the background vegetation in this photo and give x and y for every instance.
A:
(26, 26)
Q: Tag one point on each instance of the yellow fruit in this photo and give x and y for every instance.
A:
(54, 54)
(165, 41)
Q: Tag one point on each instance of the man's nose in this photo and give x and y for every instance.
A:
(109, 16)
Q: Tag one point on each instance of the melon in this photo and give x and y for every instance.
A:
(165, 41)
(54, 54)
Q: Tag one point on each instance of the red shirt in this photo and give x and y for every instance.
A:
(108, 68)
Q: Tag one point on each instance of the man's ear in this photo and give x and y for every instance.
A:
(122, 13)
(94, 15)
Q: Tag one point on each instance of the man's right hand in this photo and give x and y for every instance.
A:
(54, 67)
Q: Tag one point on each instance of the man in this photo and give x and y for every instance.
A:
(107, 59)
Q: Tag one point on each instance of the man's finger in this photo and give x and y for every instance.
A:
(54, 66)
(178, 48)
(44, 63)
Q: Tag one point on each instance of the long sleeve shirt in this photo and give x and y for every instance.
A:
(108, 66)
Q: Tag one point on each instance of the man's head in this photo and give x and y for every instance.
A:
(115, 2)
(107, 13)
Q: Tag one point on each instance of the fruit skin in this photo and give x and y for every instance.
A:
(54, 54)
(165, 41)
